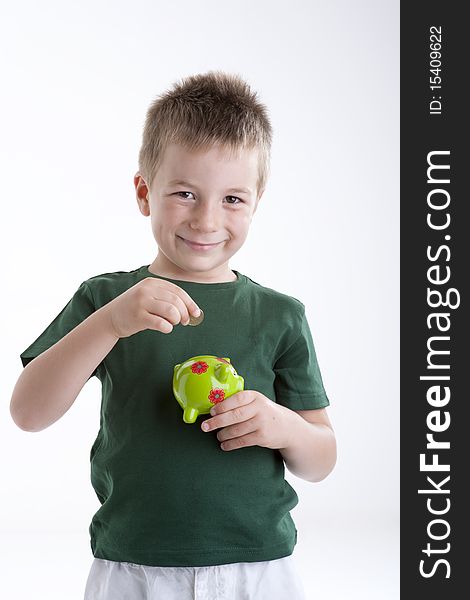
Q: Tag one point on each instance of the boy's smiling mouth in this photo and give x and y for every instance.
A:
(198, 246)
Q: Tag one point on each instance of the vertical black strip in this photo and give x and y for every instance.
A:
(434, 272)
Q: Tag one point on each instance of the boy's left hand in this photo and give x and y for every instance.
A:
(249, 418)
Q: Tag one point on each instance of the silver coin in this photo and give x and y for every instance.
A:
(196, 320)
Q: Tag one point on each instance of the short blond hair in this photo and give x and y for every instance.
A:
(204, 110)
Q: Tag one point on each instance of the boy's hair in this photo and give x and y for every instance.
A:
(203, 110)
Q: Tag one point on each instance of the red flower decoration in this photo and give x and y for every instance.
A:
(199, 367)
(216, 396)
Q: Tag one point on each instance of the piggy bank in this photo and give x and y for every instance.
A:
(202, 381)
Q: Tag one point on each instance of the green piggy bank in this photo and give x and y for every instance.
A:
(202, 381)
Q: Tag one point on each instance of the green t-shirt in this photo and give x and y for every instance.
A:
(170, 496)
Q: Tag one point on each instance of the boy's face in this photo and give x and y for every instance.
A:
(197, 198)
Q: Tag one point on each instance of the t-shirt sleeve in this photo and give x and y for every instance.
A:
(298, 383)
(77, 309)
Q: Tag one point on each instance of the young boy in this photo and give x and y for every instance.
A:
(190, 510)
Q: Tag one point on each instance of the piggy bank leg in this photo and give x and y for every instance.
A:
(190, 415)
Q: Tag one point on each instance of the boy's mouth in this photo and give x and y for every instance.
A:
(198, 246)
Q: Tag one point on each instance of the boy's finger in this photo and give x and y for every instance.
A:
(229, 417)
(238, 399)
(191, 305)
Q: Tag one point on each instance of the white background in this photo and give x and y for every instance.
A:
(77, 78)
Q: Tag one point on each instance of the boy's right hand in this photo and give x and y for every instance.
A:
(150, 304)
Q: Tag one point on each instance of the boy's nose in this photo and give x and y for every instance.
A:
(205, 218)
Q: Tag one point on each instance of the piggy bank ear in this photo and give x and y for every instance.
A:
(176, 367)
(222, 372)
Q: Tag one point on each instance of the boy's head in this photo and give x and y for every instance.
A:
(203, 166)
(202, 111)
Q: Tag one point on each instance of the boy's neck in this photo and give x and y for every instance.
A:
(159, 270)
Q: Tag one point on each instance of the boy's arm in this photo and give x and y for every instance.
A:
(49, 384)
(312, 452)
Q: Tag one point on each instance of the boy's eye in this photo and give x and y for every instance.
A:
(237, 200)
(184, 193)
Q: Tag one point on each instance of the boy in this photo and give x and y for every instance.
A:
(202, 510)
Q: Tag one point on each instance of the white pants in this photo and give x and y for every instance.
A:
(267, 580)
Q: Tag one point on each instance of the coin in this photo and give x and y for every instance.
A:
(196, 320)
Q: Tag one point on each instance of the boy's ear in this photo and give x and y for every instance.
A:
(141, 193)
